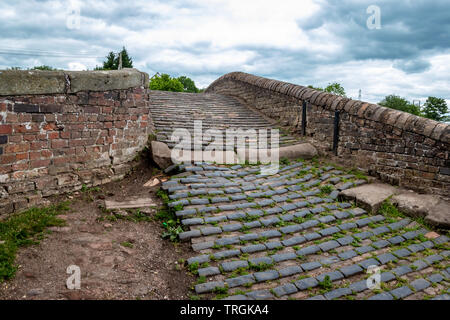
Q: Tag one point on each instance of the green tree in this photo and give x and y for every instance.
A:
(113, 59)
(188, 84)
(164, 82)
(312, 87)
(109, 63)
(334, 88)
(435, 108)
(127, 61)
(398, 103)
(44, 68)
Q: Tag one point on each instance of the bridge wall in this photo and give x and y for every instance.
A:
(395, 146)
(62, 130)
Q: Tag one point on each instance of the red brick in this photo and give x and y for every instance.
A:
(30, 137)
(35, 155)
(5, 129)
(24, 129)
(50, 117)
(77, 143)
(16, 148)
(15, 139)
(107, 110)
(61, 160)
(22, 156)
(57, 144)
(46, 154)
(12, 118)
(20, 166)
(39, 163)
(9, 158)
(25, 117)
(49, 127)
(75, 135)
(64, 135)
(53, 135)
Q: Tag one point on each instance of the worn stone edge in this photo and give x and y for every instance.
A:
(429, 128)
(32, 82)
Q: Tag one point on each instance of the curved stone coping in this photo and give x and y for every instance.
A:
(30, 82)
(399, 119)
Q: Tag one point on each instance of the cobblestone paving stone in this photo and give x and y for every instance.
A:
(287, 236)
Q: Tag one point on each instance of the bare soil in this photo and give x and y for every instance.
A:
(147, 267)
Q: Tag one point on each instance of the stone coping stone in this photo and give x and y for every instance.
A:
(27, 82)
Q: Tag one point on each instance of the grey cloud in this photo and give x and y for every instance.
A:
(413, 66)
(412, 32)
(407, 27)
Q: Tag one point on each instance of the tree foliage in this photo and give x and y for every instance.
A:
(164, 82)
(44, 68)
(113, 59)
(435, 108)
(398, 103)
(334, 88)
(188, 84)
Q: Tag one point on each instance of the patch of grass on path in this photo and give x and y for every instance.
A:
(168, 218)
(23, 229)
(387, 209)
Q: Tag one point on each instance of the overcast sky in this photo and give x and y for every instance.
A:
(300, 41)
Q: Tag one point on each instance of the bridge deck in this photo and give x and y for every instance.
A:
(173, 110)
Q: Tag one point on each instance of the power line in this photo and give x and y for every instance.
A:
(37, 50)
(41, 53)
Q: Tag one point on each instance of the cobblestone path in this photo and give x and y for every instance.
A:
(287, 236)
(174, 110)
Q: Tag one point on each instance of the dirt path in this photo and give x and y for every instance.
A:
(118, 259)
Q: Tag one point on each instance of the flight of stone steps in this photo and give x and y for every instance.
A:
(174, 110)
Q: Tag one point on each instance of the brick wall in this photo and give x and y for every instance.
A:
(56, 143)
(397, 147)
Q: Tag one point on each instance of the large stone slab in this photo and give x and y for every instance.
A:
(130, 204)
(161, 154)
(292, 152)
(25, 82)
(370, 196)
(431, 207)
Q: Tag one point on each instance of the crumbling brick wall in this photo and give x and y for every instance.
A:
(53, 143)
(395, 146)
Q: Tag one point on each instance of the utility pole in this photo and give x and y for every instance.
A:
(120, 61)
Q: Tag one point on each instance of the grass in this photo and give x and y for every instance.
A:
(168, 218)
(85, 188)
(389, 210)
(127, 244)
(285, 161)
(24, 229)
(358, 174)
(221, 293)
(193, 268)
(326, 190)
(261, 266)
(326, 284)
